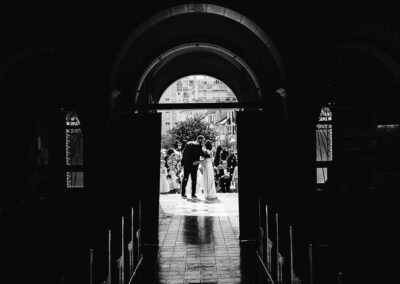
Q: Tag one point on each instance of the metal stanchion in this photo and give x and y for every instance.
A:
(310, 254)
(278, 255)
(109, 258)
(131, 245)
(139, 231)
(267, 239)
(291, 256)
(122, 263)
(91, 266)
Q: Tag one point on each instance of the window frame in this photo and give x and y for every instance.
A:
(73, 168)
(328, 121)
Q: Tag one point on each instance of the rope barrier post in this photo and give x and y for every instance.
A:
(122, 252)
(267, 239)
(310, 254)
(109, 257)
(91, 266)
(278, 273)
(131, 255)
(291, 255)
(139, 231)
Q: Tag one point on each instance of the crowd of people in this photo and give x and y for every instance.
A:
(225, 165)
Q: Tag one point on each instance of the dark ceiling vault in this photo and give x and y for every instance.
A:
(208, 24)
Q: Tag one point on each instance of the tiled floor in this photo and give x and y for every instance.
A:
(226, 204)
(199, 241)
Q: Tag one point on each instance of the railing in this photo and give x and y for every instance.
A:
(134, 255)
(273, 259)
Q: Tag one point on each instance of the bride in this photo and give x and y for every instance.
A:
(210, 191)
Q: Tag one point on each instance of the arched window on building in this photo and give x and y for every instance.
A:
(73, 151)
(324, 145)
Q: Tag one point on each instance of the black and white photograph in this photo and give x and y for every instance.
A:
(175, 142)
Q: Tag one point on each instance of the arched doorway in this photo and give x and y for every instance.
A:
(217, 123)
(148, 63)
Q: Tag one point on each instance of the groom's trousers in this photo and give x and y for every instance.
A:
(192, 170)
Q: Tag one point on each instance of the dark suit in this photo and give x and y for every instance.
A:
(231, 163)
(191, 153)
(224, 154)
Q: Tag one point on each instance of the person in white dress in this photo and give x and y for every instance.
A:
(164, 185)
(173, 170)
(210, 191)
(236, 178)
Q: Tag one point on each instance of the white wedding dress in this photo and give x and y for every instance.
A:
(210, 191)
(164, 185)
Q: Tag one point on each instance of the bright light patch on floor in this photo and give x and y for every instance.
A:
(225, 205)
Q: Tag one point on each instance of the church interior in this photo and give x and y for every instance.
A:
(318, 138)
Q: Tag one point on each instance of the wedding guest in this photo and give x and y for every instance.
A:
(169, 153)
(217, 157)
(173, 173)
(231, 162)
(164, 186)
(236, 178)
(224, 177)
(224, 154)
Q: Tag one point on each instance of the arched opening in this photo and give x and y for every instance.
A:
(74, 151)
(188, 33)
(324, 146)
(211, 220)
(163, 55)
(181, 126)
(200, 57)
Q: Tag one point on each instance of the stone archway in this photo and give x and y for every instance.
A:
(187, 29)
(179, 42)
(219, 55)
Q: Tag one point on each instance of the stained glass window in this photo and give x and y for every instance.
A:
(325, 115)
(72, 119)
(324, 143)
(73, 151)
(74, 179)
(74, 147)
(322, 175)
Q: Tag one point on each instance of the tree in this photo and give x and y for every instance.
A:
(189, 129)
(167, 141)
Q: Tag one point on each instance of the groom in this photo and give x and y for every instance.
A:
(191, 156)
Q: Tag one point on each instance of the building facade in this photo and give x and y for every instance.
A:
(199, 89)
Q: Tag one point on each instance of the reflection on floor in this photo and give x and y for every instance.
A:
(199, 242)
